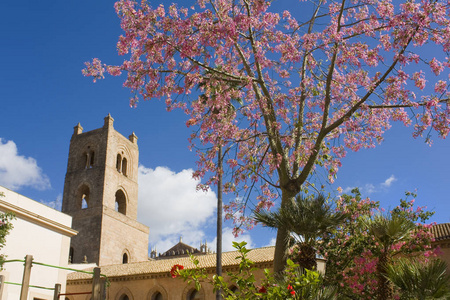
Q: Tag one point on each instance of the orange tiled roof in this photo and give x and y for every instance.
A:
(259, 255)
(441, 231)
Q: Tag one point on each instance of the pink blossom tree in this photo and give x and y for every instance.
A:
(370, 240)
(313, 83)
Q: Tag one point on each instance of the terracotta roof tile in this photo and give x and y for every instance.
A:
(441, 231)
(259, 255)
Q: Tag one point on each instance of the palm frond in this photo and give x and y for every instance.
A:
(306, 217)
(388, 230)
(420, 280)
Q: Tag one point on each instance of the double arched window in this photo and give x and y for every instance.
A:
(88, 159)
(121, 164)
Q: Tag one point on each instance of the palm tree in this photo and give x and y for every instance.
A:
(306, 219)
(420, 280)
(387, 231)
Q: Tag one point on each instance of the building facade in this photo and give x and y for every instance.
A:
(100, 193)
(42, 232)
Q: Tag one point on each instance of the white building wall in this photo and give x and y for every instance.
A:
(39, 231)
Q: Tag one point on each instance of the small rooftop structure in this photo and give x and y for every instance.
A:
(181, 249)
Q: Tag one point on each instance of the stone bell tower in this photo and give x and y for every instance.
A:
(101, 193)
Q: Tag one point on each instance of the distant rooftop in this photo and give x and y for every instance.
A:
(259, 255)
(180, 249)
(441, 231)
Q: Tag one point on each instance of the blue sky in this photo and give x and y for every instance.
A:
(43, 95)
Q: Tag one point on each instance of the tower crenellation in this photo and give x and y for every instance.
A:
(78, 129)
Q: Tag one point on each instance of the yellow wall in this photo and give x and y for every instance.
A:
(144, 287)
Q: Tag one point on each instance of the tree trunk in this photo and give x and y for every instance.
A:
(307, 257)
(384, 288)
(279, 260)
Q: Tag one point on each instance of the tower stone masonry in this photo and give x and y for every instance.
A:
(101, 194)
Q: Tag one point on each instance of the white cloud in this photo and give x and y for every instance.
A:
(389, 181)
(18, 171)
(271, 243)
(55, 204)
(171, 206)
(368, 188)
(347, 190)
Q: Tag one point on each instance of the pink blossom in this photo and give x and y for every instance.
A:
(436, 66)
(285, 101)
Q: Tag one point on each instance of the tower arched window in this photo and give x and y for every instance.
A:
(119, 163)
(121, 202)
(124, 166)
(91, 159)
(84, 203)
(83, 197)
(88, 158)
(85, 160)
(125, 258)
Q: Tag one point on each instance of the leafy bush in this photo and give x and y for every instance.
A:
(295, 283)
